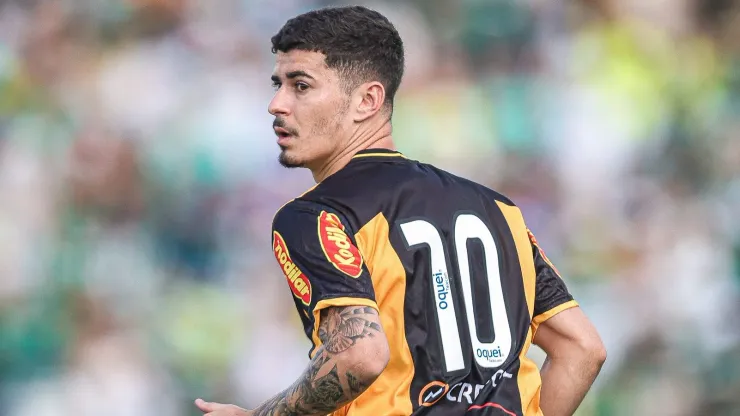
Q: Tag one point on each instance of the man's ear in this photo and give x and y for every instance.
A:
(370, 98)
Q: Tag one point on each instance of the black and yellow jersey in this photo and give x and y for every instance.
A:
(460, 283)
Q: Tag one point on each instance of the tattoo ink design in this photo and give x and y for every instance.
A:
(324, 387)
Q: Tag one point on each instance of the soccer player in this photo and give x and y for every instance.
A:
(420, 290)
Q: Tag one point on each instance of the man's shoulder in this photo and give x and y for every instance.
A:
(356, 196)
(305, 212)
(464, 184)
(295, 210)
(349, 195)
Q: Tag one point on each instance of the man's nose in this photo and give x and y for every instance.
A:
(279, 104)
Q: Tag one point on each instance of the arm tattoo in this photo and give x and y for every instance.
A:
(345, 326)
(356, 386)
(325, 386)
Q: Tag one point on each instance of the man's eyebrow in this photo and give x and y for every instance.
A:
(296, 74)
(291, 75)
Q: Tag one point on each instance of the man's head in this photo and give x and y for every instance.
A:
(337, 70)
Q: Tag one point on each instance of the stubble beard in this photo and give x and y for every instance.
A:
(323, 128)
(287, 161)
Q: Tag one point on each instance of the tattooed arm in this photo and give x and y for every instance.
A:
(353, 353)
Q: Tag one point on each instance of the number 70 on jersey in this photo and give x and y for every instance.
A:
(466, 227)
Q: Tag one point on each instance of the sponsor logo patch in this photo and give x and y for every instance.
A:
(337, 246)
(299, 284)
(432, 393)
(462, 392)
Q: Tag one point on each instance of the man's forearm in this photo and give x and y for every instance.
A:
(565, 384)
(320, 390)
(335, 376)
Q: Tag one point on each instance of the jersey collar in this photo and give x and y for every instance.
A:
(377, 153)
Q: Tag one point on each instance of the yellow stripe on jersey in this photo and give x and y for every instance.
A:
(327, 303)
(528, 377)
(515, 220)
(529, 380)
(390, 393)
(378, 154)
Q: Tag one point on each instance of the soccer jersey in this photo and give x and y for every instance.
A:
(459, 281)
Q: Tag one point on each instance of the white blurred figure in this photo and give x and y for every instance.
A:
(689, 289)
(26, 217)
(140, 87)
(115, 378)
(275, 341)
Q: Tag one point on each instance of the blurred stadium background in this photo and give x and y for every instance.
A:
(138, 179)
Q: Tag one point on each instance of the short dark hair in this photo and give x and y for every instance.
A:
(361, 44)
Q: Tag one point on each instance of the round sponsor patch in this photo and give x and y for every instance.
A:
(432, 392)
(337, 246)
(298, 282)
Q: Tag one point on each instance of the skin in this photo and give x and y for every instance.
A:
(575, 354)
(327, 125)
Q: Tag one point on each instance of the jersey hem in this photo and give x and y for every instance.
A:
(544, 316)
(335, 302)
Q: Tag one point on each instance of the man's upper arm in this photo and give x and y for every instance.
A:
(319, 259)
(551, 293)
(342, 328)
(560, 327)
(570, 332)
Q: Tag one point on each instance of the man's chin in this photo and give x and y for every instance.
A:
(289, 162)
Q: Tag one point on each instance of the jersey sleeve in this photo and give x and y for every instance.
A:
(551, 293)
(320, 260)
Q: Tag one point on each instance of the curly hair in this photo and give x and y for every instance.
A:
(359, 43)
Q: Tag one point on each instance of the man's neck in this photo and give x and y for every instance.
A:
(379, 139)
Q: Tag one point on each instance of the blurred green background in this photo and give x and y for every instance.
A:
(138, 180)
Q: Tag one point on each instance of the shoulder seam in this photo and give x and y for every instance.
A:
(290, 201)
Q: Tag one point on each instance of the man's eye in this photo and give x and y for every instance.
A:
(301, 86)
(276, 86)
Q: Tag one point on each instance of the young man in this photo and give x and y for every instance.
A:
(420, 290)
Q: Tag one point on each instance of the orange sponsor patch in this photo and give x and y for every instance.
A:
(432, 392)
(297, 281)
(337, 246)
